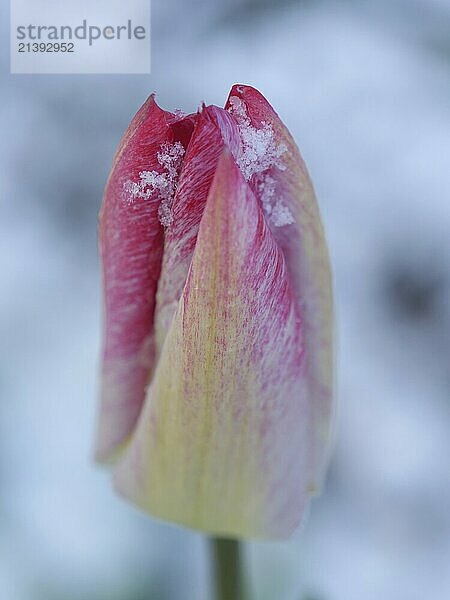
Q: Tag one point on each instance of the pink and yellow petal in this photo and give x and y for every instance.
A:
(224, 442)
(215, 129)
(302, 242)
(131, 248)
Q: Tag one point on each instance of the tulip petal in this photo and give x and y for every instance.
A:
(282, 184)
(214, 130)
(225, 441)
(131, 246)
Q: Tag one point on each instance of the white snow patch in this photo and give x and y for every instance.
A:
(260, 150)
(170, 157)
(260, 153)
(265, 186)
(281, 215)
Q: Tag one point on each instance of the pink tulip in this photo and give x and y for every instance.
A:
(217, 363)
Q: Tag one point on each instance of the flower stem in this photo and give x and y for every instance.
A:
(227, 569)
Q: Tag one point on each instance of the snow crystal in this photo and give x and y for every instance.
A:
(277, 213)
(132, 189)
(281, 215)
(238, 109)
(170, 157)
(260, 153)
(265, 187)
(260, 150)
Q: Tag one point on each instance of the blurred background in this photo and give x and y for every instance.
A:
(365, 89)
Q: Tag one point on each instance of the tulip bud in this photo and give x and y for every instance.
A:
(217, 363)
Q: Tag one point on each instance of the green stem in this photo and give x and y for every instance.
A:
(227, 569)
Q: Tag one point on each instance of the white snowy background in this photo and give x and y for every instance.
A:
(365, 88)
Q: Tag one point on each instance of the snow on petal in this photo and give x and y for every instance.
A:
(215, 129)
(295, 222)
(131, 247)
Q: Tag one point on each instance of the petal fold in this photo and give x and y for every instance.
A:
(280, 180)
(215, 129)
(131, 248)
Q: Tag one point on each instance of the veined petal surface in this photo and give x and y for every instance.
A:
(131, 248)
(224, 442)
(280, 180)
(215, 130)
